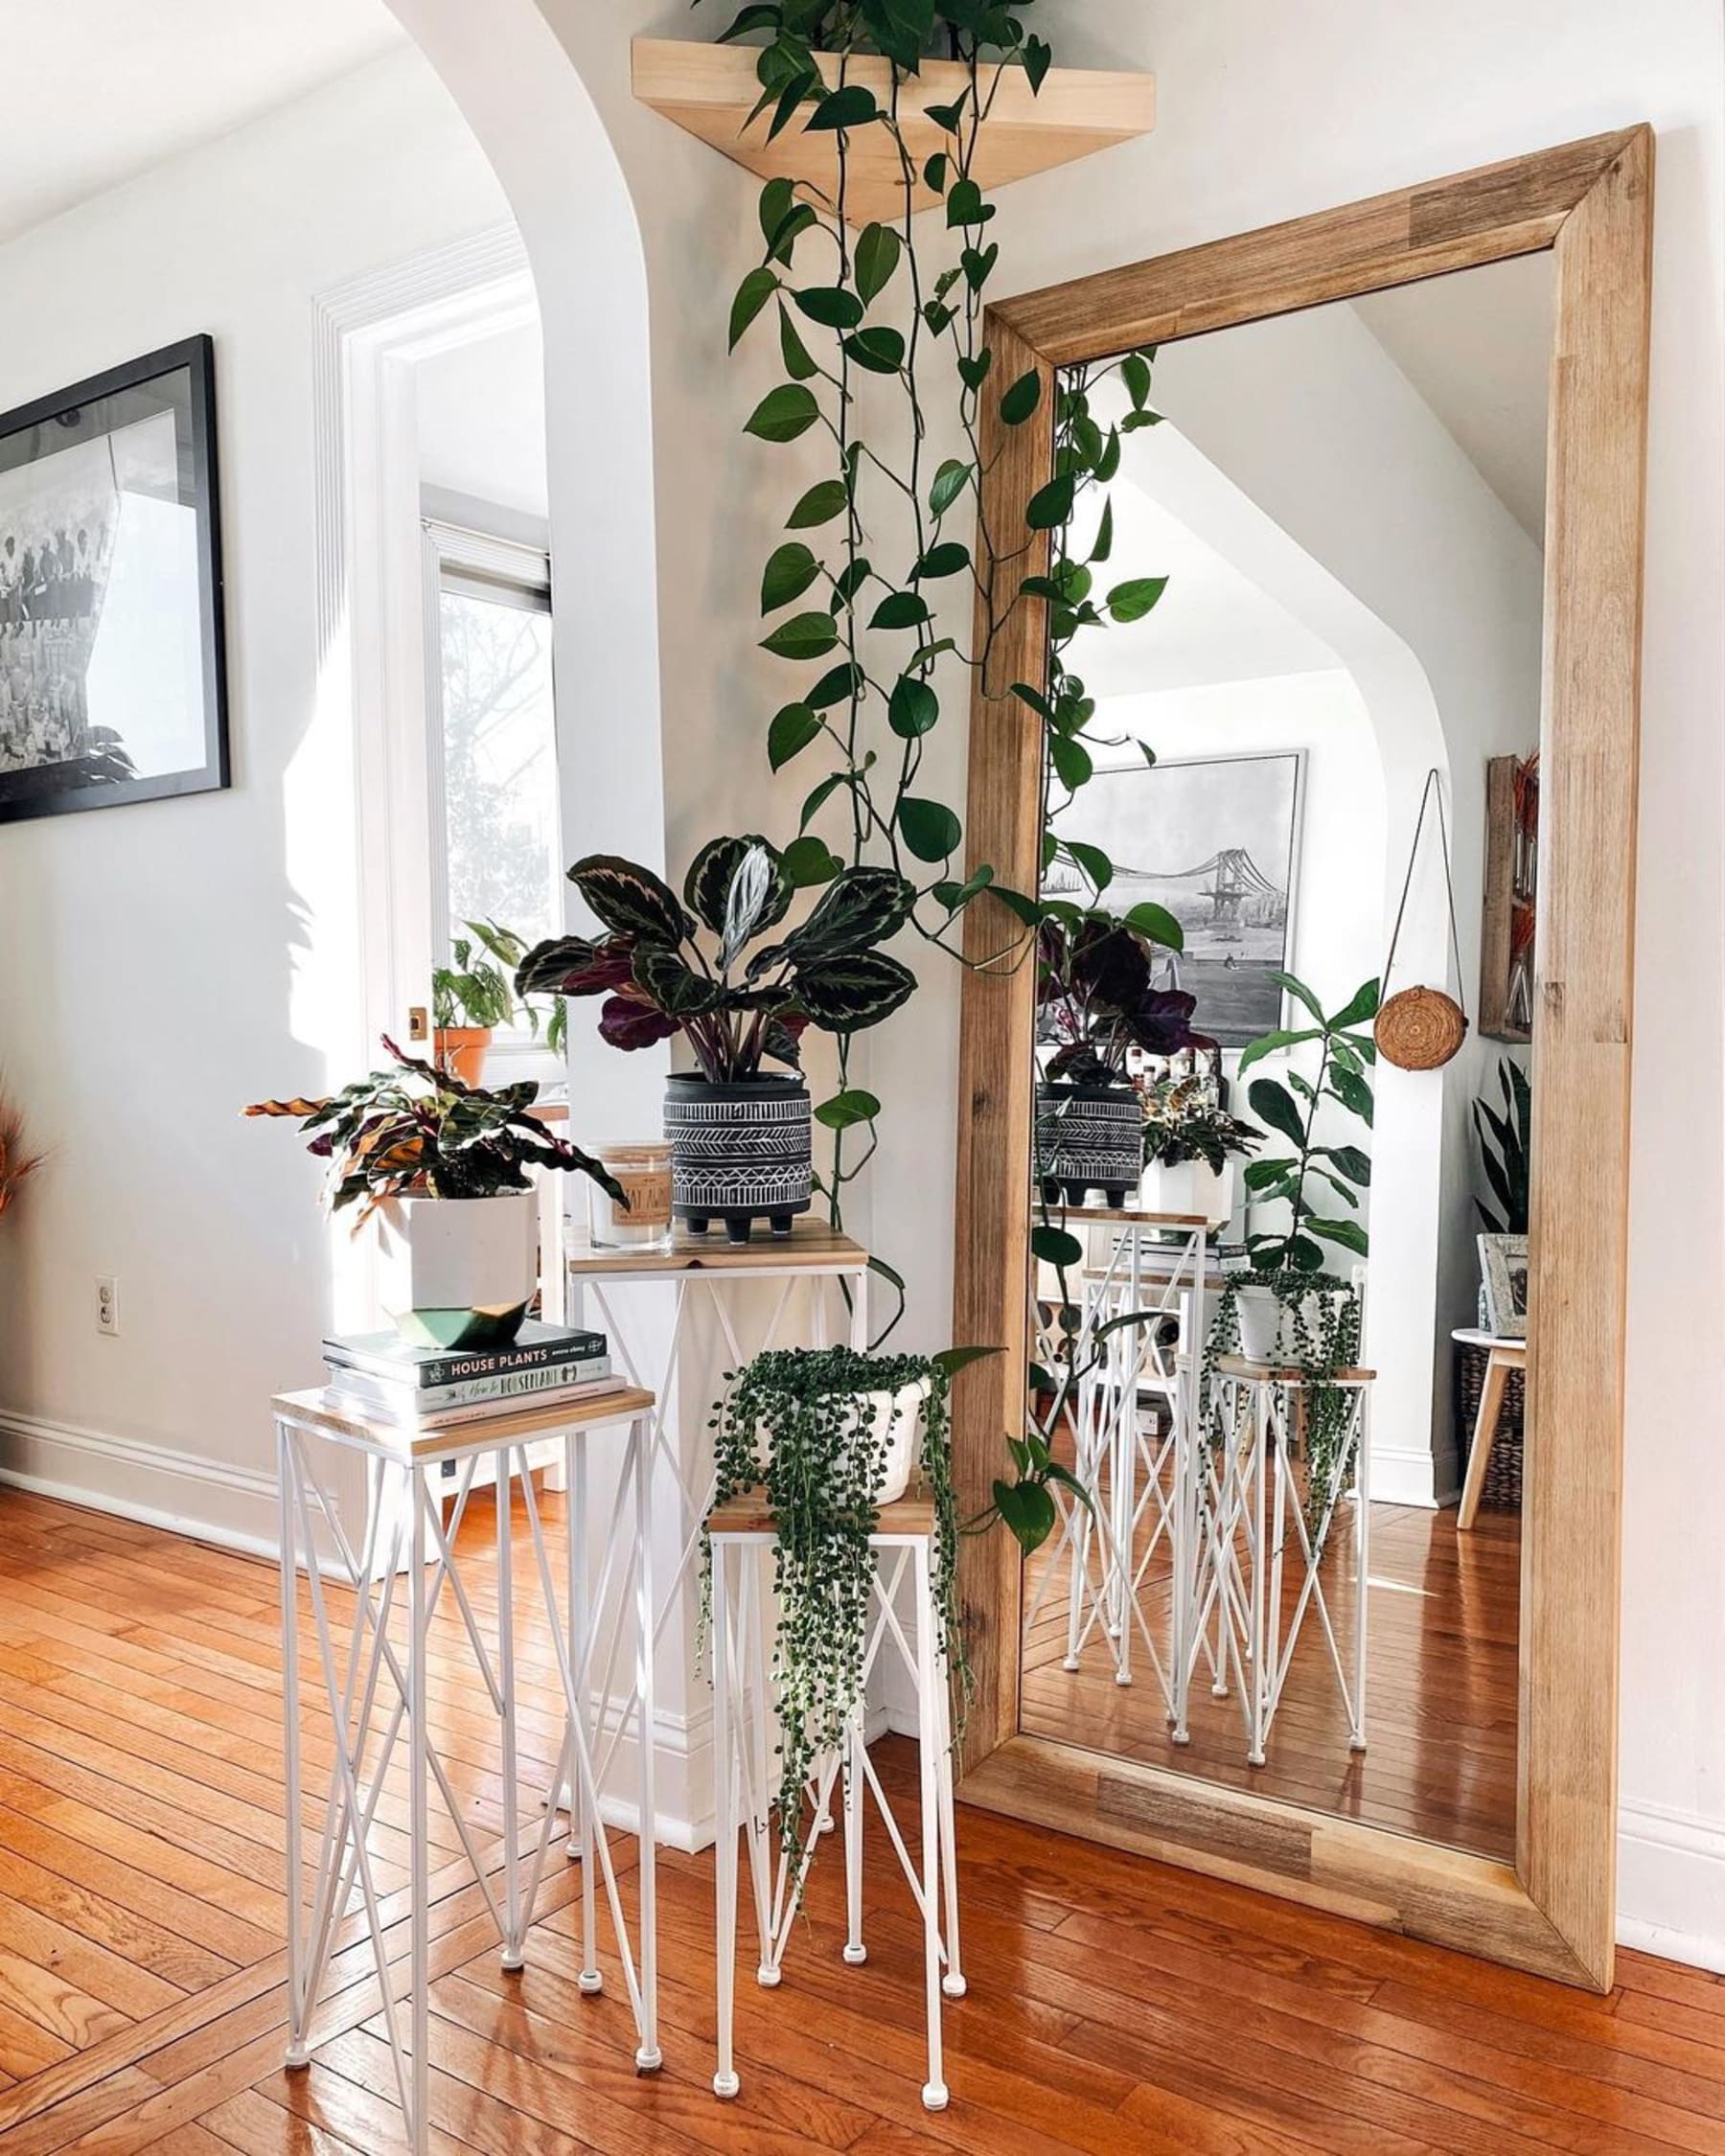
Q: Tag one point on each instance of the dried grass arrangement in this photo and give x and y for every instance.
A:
(17, 1165)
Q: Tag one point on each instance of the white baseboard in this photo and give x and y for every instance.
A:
(1672, 1884)
(187, 1493)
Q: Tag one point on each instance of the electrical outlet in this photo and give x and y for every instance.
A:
(107, 1305)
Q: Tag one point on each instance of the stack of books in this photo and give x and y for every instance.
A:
(389, 1379)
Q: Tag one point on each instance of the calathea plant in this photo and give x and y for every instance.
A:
(740, 1137)
(1098, 999)
(814, 1429)
(735, 1010)
(415, 1130)
(1184, 1122)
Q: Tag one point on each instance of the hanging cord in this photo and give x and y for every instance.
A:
(1433, 791)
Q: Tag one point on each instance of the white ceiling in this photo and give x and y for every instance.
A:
(1477, 347)
(96, 91)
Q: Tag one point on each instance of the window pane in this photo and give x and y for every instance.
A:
(499, 759)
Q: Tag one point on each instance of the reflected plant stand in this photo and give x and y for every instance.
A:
(1254, 1526)
(1140, 1318)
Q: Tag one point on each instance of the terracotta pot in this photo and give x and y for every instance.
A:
(460, 1050)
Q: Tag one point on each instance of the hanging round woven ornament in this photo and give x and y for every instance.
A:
(1422, 1028)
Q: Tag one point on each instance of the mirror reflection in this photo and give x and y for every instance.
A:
(1283, 1056)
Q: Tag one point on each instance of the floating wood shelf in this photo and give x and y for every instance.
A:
(711, 89)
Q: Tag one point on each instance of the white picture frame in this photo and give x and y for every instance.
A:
(1503, 1276)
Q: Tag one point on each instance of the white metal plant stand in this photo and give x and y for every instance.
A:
(1253, 1522)
(603, 1289)
(902, 1543)
(1140, 1327)
(374, 1664)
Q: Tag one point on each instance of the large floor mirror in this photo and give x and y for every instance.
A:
(1292, 1155)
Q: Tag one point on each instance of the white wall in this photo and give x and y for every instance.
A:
(1267, 114)
(164, 964)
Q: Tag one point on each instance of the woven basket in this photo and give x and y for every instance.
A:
(1503, 1490)
(1419, 1028)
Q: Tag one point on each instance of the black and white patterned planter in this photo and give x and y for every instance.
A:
(1088, 1138)
(738, 1152)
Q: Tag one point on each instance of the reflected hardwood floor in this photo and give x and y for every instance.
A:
(1116, 2004)
(1442, 1687)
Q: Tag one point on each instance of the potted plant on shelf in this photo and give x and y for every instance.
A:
(829, 1435)
(1191, 1145)
(442, 1169)
(1098, 1004)
(472, 996)
(740, 1134)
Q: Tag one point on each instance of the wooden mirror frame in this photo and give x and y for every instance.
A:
(1553, 1910)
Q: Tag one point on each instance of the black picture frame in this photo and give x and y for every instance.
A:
(54, 588)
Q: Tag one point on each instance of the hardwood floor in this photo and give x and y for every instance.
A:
(1113, 2005)
(1442, 1675)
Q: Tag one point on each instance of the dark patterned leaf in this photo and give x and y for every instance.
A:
(863, 908)
(844, 994)
(575, 966)
(631, 1021)
(631, 900)
(707, 885)
(676, 987)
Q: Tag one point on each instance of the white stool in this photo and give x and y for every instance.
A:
(1249, 1496)
(372, 1687)
(903, 1544)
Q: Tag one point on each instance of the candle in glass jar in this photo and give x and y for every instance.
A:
(642, 1170)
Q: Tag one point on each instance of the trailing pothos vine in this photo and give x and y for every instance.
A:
(858, 314)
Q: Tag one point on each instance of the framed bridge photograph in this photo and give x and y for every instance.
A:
(1215, 840)
(112, 672)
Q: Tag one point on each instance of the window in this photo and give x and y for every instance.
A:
(497, 845)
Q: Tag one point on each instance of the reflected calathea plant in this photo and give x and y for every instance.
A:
(1099, 1005)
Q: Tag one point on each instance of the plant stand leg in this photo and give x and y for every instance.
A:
(934, 2089)
(1361, 1560)
(649, 2058)
(725, 2078)
(953, 1984)
(591, 1980)
(1484, 1436)
(737, 1227)
(696, 1224)
(513, 1956)
(855, 1950)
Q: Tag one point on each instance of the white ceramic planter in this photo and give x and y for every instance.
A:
(870, 1415)
(1266, 1327)
(459, 1272)
(1193, 1189)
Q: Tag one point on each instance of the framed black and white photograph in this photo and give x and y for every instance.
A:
(112, 680)
(1215, 841)
(1504, 1277)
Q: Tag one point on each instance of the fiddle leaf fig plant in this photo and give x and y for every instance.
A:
(1311, 1179)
